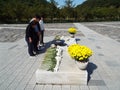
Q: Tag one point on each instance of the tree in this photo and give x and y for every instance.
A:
(69, 3)
(52, 9)
(12, 11)
(68, 10)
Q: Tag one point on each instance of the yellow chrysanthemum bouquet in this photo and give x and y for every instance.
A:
(72, 30)
(80, 52)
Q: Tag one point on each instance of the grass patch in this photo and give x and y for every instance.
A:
(49, 61)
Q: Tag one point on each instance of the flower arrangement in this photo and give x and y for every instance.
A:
(72, 30)
(49, 61)
(79, 52)
(57, 37)
(58, 40)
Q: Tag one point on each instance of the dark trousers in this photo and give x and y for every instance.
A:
(30, 47)
(35, 44)
(41, 36)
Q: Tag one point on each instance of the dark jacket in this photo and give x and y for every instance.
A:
(38, 25)
(30, 32)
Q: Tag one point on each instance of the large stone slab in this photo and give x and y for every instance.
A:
(68, 73)
(47, 77)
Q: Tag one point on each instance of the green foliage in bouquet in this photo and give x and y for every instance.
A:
(49, 61)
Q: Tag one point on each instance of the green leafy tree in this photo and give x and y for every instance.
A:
(68, 11)
(52, 10)
(15, 11)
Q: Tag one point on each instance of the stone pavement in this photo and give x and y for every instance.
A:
(17, 69)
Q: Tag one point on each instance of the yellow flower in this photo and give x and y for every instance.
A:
(72, 30)
(79, 52)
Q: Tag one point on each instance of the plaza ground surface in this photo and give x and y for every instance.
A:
(17, 68)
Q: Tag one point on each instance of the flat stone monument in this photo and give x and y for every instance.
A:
(68, 73)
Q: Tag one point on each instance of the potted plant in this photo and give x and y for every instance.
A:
(72, 31)
(80, 54)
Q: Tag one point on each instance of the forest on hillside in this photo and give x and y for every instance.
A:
(21, 11)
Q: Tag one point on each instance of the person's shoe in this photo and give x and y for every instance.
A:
(37, 52)
(32, 55)
(34, 52)
(42, 44)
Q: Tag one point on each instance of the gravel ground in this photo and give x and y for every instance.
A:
(12, 33)
(109, 29)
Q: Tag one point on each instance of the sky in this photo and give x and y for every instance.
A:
(62, 2)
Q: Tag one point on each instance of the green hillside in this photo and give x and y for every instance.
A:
(99, 10)
(21, 11)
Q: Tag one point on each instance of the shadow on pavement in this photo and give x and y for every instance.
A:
(77, 39)
(90, 68)
(45, 47)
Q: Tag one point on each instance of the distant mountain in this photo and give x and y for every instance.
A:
(99, 10)
(100, 3)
